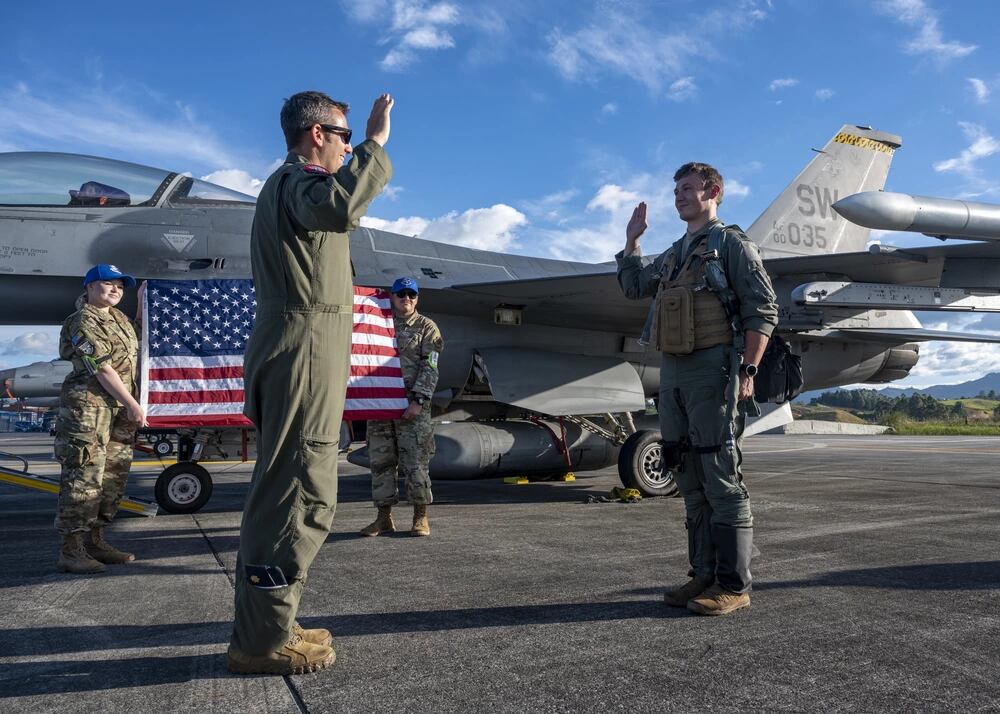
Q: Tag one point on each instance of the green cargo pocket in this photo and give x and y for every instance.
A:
(73, 451)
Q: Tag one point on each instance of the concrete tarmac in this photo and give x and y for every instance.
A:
(877, 588)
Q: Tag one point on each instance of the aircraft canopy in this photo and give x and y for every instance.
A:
(32, 178)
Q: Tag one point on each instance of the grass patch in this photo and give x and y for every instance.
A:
(984, 405)
(821, 412)
(930, 428)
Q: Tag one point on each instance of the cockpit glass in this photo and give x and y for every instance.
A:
(196, 190)
(49, 179)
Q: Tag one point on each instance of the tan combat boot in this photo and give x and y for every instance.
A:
(382, 523)
(296, 657)
(679, 596)
(103, 551)
(73, 557)
(317, 636)
(718, 601)
(420, 525)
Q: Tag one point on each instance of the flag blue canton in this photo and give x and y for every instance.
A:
(197, 318)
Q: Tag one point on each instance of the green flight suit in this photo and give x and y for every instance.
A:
(693, 414)
(295, 378)
(94, 437)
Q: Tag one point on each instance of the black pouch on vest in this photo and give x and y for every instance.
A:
(675, 327)
(779, 374)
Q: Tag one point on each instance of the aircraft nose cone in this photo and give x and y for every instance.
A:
(878, 209)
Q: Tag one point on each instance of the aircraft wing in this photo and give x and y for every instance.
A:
(591, 301)
(899, 335)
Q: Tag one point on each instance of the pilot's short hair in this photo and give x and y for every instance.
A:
(304, 109)
(709, 174)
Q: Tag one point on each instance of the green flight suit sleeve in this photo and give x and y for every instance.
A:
(638, 281)
(431, 346)
(336, 202)
(751, 283)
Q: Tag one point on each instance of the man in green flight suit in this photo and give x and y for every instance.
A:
(407, 444)
(295, 372)
(701, 434)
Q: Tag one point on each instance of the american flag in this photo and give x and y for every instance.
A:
(194, 336)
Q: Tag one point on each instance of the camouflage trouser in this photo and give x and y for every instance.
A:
(94, 445)
(406, 447)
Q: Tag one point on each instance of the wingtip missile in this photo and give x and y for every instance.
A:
(939, 217)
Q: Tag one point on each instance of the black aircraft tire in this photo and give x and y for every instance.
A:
(639, 465)
(183, 488)
(163, 447)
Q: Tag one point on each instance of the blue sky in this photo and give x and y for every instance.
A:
(524, 126)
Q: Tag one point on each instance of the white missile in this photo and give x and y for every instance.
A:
(938, 217)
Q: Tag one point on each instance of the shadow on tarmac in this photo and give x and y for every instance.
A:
(978, 575)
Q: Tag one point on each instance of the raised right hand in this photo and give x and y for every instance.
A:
(378, 120)
(636, 226)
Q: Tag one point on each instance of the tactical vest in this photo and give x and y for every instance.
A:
(689, 316)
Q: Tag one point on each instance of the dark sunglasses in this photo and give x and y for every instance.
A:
(342, 131)
(406, 294)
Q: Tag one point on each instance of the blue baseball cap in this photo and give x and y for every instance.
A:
(406, 283)
(106, 271)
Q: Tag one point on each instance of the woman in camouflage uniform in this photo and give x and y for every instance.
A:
(98, 419)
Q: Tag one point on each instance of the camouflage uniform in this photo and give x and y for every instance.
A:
(94, 437)
(408, 445)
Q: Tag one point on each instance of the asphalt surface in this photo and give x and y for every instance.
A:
(877, 588)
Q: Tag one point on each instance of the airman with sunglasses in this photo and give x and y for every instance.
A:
(406, 446)
(295, 372)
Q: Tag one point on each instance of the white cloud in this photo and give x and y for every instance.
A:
(32, 343)
(391, 193)
(625, 40)
(493, 228)
(785, 83)
(682, 89)
(416, 27)
(824, 94)
(609, 108)
(737, 189)
(981, 90)
(236, 179)
(929, 39)
(982, 145)
(94, 120)
(550, 207)
(612, 198)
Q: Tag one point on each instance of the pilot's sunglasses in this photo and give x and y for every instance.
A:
(406, 294)
(342, 131)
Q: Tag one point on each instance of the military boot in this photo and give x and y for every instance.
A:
(718, 601)
(103, 551)
(73, 557)
(679, 596)
(317, 636)
(420, 525)
(382, 523)
(297, 657)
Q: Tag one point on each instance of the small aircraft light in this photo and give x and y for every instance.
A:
(507, 315)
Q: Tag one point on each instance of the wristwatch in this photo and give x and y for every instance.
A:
(420, 399)
(749, 369)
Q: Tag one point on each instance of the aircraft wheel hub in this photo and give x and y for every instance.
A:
(184, 488)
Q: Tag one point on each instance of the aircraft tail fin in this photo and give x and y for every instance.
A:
(801, 221)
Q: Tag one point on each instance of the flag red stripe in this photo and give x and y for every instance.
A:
(196, 396)
(380, 350)
(376, 393)
(162, 373)
(363, 414)
(370, 309)
(172, 421)
(369, 370)
(365, 328)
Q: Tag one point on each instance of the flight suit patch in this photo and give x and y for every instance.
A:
(82, 345)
